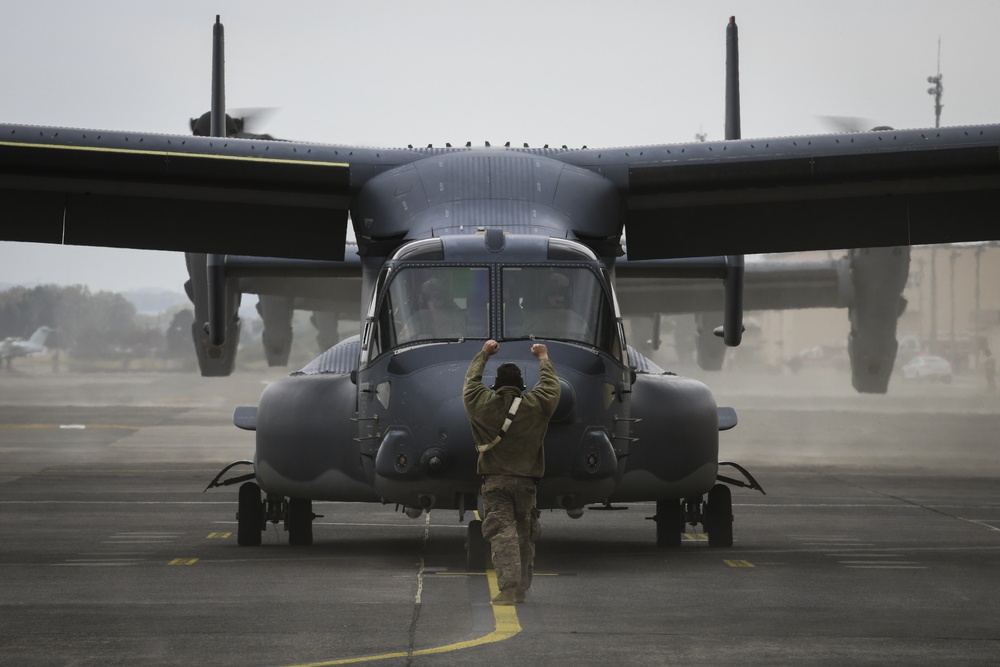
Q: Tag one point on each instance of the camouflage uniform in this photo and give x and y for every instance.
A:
(510, 523)
(511, 468)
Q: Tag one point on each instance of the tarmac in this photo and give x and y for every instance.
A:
(878, 542)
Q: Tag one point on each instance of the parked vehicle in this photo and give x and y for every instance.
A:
(927, 367)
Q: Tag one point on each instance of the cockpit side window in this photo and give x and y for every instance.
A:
(565, 303)
(434, 303)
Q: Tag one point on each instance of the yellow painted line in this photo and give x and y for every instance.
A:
(506, 625)
(695, 537)
(480, 574)
(168, 154)
(219, 536)
(738, 563)
(183, 561)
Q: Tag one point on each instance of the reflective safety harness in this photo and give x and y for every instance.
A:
(503, 429)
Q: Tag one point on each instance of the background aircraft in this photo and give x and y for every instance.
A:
(656, 187)
(22, 347)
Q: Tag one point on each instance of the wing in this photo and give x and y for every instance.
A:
(160, 192)
(287, 199)
(817, 192)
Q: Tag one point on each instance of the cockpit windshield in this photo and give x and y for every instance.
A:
(448, 303)
(435, 303)
(565, 303)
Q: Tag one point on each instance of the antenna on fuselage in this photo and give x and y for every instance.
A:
(732, 327)
(215, 265)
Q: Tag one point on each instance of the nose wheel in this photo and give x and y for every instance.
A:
(477, 549)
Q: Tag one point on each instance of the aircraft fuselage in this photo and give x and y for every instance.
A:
(396, 430)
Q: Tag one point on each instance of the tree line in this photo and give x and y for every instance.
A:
(88, 325)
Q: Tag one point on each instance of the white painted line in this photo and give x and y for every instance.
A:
(883, 563)
(92, 564)
(886, 567)
(861, 554)
(816, 538)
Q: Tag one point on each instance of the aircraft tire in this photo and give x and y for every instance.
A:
(300, 518)
(669, 523)
(719, 516)
(250, 516)
(477, 549)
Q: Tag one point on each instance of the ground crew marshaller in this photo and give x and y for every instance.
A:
(509, 431)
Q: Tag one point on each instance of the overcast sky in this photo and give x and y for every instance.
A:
(420, 72)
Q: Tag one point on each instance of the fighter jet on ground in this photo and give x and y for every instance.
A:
(22, 347)
(499, 235)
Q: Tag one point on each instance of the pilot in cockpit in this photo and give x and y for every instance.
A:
(438, 316)
(557, 319)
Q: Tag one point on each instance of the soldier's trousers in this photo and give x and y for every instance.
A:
(510, 523)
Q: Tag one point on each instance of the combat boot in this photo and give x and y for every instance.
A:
(504, 597)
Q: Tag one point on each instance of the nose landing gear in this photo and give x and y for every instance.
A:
(715, 514)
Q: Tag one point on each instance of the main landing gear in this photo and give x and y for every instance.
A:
(254, 514)
(715, 513)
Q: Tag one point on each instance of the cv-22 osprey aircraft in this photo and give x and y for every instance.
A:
(491, 232)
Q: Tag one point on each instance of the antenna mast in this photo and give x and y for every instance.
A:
(937, 90)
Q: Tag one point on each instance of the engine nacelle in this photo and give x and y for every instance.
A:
(276, 312)
(213, 360)
(878, 276)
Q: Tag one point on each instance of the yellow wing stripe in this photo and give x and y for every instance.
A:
(168, 154)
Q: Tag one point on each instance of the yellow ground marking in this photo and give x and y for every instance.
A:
(506, 625)
(738, 563)
(169, 154)
(481, 574)
(183, 561)
(695, 537)
(219, 536)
